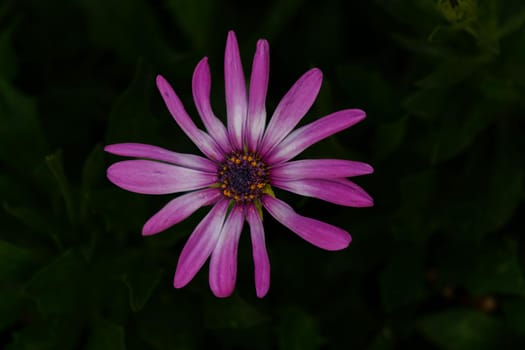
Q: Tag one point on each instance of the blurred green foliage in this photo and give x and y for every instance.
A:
(437, 263)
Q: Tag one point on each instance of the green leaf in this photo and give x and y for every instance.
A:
(168, 323)
(39, 221)
(19, 128)
(513, 24)
(413, 220)
(55, 164)
(280, 14)
(106, 336)
(298, 330)
(420, 15)
(234, 312)
(490, 267)
(452, 124)
(501, 184)
(62, 286)
(357, 81)
(127, 27)
(94, 169)
(8, 64)
(402, 281)
(426, 103)
(48, 334)
(196, 19)
(462, 330)
(453, 71)
(141, 279)
(130, 117)
(389, 136)
(15, 260)
(383, 341)
(514, 313)
(10, 308)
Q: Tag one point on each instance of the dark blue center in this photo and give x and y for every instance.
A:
(243, 176)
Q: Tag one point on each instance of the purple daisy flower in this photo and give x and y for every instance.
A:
(243, 162)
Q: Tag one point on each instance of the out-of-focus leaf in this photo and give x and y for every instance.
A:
(298, 330)
(413, 221)
(127, 27)
(23, 144)
(505, 91)
(122, 211)
(10, 307)
(279, 15)
(495, 196)
(130, 118)
(234, 312)
(483, 269)
(14, 260)
(514, 313)
(8, 65)
(106, 336)
(62, 286)
(165, 324)
(196, 18)
(357, 82)
(383, 341)
(389, 136)
(453, 130)
(49, 334)
(513, 24)
(402, 281)
(453, 71)
(426, 103)
(93, 170)
(420, 15)
(55, 163)
(141, 279)
(463, 330)
(34, 219)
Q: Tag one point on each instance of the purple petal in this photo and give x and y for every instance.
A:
(320, 168)
(258, 87)
(223, 263)
(202, 140)
(314, 132)
(235, 88)
(338, 191)
(200, 245)
(179, 209)
(292, 108)
(149, 177)
(141, 150)
(201, 85)
(316, 232)
(260, 255)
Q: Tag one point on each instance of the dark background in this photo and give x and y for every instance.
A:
(436, 264)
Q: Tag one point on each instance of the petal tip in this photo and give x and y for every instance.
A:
(343, 243)
(231, 34)
(316, 73)
(261, 293)
(179, 282)
(222, 293)
(109, 148)
(262, 44)
(359, 114)
(203, 63)
(160, 80)
(148, 230)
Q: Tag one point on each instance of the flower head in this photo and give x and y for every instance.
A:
(244, 161)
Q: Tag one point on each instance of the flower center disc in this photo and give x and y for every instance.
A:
(243, 176)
